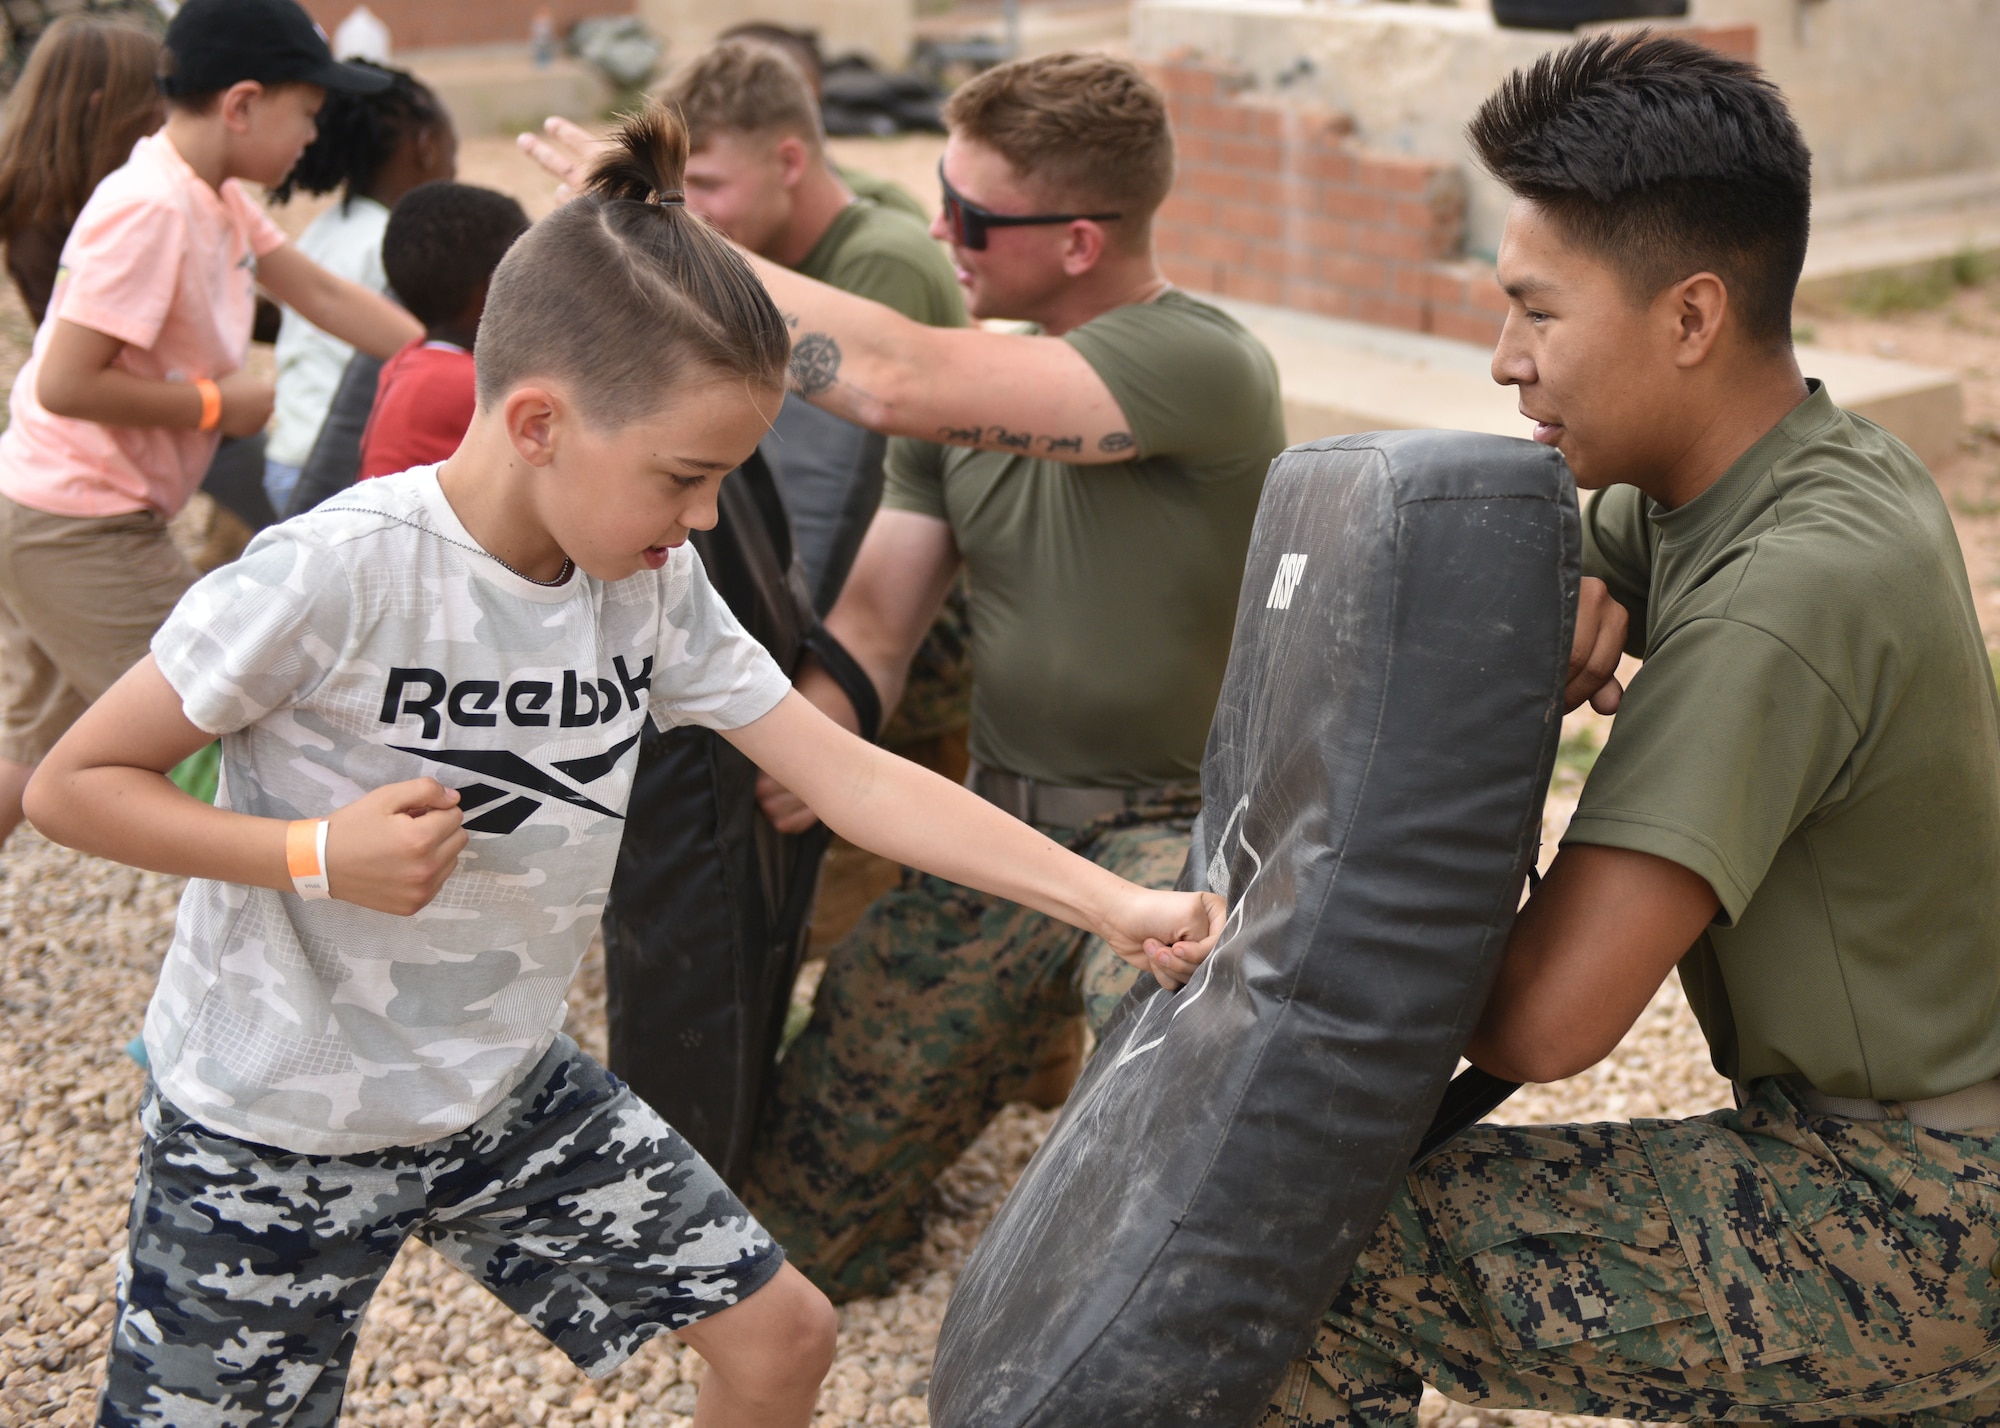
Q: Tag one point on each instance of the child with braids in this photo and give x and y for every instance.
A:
(371, 150)
(429, 692)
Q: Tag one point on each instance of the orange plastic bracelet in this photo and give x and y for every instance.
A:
(305, 857)
(211, 404)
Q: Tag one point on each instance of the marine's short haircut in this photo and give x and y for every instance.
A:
(743, 86)
(623, 292)
(801, 45)
(1664, 159)
(442, 244)
(1085, 132)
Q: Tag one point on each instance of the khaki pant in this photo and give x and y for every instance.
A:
(80, 599)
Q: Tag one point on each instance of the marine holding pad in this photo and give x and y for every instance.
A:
(1372, 798)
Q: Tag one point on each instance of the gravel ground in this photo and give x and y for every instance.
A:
(80, 942)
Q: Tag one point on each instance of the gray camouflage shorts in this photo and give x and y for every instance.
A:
(248, 1268)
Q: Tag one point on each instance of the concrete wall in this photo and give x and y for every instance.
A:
(1884, 89)
(882, 29)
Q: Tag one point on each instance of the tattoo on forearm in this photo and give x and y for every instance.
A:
(815, 364)
(1016, 440)
(1116, 441)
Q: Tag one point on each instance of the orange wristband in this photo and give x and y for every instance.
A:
(305, 858)
(211, 404)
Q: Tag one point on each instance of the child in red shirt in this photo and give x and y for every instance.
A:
(443, 242)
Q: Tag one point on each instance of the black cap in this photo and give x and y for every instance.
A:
(212, 44)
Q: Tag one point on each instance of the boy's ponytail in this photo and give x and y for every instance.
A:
(623, 292)
(647, 162)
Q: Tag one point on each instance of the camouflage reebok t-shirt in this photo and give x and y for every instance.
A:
(369, 641)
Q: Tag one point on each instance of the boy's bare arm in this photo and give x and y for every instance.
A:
(352, 313)
(77, 380)
(909, 815)
(900, 577)
(103, 789)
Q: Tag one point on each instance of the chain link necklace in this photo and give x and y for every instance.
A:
(562, 576)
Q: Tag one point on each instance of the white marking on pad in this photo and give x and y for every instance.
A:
(1291, 569)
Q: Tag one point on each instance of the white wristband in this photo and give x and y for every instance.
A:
(305, 858)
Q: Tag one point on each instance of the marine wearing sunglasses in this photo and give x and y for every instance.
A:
(968, 222)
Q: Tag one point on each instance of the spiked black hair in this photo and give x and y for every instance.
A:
(358, 134)
(1665, 159)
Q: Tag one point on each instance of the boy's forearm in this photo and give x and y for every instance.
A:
(361, 318)
(904, 812)
(364, 320)
(114, 397)
(138, 817)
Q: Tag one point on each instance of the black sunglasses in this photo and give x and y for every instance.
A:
(968, 222)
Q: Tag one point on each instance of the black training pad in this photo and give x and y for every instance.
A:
(830, 472)
(1372, 797)
(709, 910)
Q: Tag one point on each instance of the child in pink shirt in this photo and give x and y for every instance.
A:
(137, 369)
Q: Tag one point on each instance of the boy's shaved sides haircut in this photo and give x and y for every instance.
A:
(743, 86)
(1665, 159)
(443, 242)
(622, 292)
(1086, 131)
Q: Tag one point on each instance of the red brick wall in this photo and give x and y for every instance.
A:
(1277, 203)
(418, 24)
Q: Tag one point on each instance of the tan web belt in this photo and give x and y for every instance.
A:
(1059, 805)
(1976, 1108)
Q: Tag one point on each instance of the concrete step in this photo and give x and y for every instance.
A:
(1916, 230)
(1341, 377)
(499, 89)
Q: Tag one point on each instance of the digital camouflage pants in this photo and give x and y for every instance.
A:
(933, 1014)
(249, 1268)
(1756, 1265)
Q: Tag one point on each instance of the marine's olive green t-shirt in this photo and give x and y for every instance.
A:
(1814, 732)
(890, 258)
(885, 193)
(1103, 597)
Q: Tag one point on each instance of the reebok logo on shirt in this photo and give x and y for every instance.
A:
(477, 703)
(480, 703)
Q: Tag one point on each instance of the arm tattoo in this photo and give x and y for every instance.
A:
(1021, 441)
(815, 364)
(1116, 441)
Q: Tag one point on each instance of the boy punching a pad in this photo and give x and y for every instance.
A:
(429, 691)
(1798, 807)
